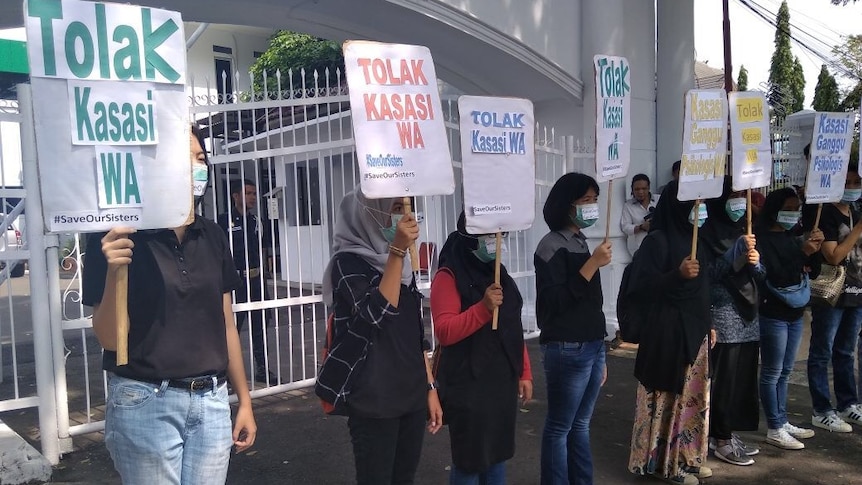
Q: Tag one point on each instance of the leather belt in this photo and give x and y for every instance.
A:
(196, 384)
(252, 273)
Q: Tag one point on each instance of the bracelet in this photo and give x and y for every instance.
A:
(397, 251)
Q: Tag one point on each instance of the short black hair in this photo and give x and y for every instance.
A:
(773, 204)
(675, 166)
(638, 177)
(807, 150)
(238, 186)
(569, 188)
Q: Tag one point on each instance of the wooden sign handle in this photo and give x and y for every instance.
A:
(748, 210)
(122, 316)
(694, 233)
(608, 223)
(817, 217)
(497, 277)
(414, 257)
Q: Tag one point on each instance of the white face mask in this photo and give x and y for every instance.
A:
(200, 177)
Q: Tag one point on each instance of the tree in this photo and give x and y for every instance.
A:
(849, 55)
(826, 94)
(842, 2)
(797, 85)
(742, 79)
(783, 75)
(293, 50)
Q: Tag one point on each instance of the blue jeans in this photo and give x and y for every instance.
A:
(573, 371)
(495, 475)
(160, 434)
(779, 342)
(834, 332)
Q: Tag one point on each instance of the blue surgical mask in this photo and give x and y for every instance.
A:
(483, 251)
(788, 219)
(200, 176)
(735, 208)
(701, 215)
(389, 232)
(585, 215)
(851, 195)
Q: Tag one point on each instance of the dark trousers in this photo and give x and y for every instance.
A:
(251, 291)
(734, 404)
(387, 451)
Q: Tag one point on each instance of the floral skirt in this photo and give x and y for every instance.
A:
(670, 430)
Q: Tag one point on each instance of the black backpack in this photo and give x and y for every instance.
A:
(633, 307)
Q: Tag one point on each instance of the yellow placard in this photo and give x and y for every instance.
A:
(749, 110)
(752, 136)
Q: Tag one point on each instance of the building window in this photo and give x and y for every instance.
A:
(224, 78)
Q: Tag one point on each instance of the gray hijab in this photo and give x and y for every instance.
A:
(357, 231)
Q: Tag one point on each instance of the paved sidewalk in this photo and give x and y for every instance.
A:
(298, 444)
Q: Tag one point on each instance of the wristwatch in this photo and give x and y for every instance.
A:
(433, 386)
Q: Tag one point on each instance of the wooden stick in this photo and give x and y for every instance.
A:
(748, 209)
(497, 277)
(414, 257)
(817, 217)
(608, 223)
(694, 233)
(122, 316)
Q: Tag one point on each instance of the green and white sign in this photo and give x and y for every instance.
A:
(613, 117)
(112, 130)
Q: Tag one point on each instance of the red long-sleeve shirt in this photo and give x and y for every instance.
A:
(451, 325)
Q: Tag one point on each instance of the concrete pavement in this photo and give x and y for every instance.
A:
(298, 444)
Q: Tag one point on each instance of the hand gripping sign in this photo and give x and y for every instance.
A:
(499, 167)
(401, 143)
(112, 132)
(704, 149)
(751, 159)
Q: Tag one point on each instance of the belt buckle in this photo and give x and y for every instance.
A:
(197, 384)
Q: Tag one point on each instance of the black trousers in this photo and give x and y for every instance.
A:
(386, 451)
(251, 291)
(734, 403)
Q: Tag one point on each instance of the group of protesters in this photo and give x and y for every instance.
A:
(722, 325)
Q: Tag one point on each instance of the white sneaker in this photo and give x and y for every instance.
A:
(831, 422)
(853, 414)
(797, 432)
(782, 439)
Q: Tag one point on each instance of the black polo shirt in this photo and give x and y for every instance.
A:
(244, 232)
(176, 320)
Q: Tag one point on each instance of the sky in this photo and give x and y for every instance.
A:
(752, 39)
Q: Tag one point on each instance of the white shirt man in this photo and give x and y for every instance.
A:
(636, 211)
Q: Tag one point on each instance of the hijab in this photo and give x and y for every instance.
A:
(357, 231)
(719, 232)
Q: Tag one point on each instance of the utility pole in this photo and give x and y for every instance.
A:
(728, 64)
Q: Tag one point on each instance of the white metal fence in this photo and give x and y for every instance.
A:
(296, 146)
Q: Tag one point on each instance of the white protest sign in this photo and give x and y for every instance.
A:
(120, 155)
(830, 155)
(749, 137)
(704, 145)
(613, 117)
(401, 143)
(498, 162)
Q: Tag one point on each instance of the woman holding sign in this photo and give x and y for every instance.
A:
(377, 370)
(669, 438)
(167, 413)
(733, 266)
(789, 264)
(569, 312)
(835, 329)
(482, 372)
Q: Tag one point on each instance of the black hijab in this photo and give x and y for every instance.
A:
(681, 305)
(472, 277)
(719, 232)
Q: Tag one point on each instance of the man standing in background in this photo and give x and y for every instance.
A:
(637, 212)
(249, 245)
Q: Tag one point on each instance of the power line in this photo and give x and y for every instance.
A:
(827, 59)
